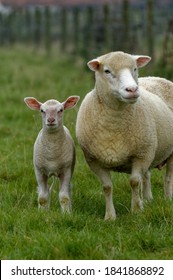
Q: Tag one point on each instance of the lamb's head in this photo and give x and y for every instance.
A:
(117, 74)
(51, 110)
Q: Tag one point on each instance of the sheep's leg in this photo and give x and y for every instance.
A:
(104, 176)
(169, 178)
(146, 186)
(65, 191)
(135, 183)
(43, 190)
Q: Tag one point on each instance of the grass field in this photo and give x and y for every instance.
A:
(25, 232)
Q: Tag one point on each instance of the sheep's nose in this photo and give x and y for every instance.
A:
(132, 89)
(50, 120)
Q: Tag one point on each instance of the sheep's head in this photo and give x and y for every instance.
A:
(117, 73)
(51, 110)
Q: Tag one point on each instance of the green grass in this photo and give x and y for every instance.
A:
(25, 232)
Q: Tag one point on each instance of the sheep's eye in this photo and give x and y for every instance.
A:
(107, 71)
(42, 111)
(60, 111)
(135, 69)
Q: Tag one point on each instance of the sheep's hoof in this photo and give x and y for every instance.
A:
(137, 206)
(110, 216)
(148, 199)
(168, 195)
(147, 196)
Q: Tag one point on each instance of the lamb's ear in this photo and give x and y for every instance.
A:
(94, 64)
(70, 102)
(32, 103)
(142, 60)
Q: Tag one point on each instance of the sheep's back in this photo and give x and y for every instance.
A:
(160, 87)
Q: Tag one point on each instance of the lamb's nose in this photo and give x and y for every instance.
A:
(51, 120)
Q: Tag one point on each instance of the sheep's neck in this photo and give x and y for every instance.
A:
(106, 97)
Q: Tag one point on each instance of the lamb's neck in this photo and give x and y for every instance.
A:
(50, 136)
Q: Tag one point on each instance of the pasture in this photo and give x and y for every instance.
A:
(26, 232)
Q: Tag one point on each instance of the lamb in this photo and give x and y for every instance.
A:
(54, 151)
(123, 127)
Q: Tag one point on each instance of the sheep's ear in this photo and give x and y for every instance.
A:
(32, 103)
(142, 60)
(70, 102)
(94, 64)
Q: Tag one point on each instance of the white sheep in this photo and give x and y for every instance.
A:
(163, 86)
(123, 127)
(54, 151)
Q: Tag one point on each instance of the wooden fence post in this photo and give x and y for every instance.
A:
(28, 26)
(126, 27)
(107, 27)
(76, 30)
(150, 23)
(64, 29)
(37, 28)
(47, 29)
(11, 26)
(87, 33)
(1, 29)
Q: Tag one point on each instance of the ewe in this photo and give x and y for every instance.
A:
(54, 151)
(163, 86)
(125, 128)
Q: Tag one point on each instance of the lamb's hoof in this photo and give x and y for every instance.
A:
(42, 203)
(65, 205)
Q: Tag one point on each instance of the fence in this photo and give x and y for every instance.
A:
(86, 31)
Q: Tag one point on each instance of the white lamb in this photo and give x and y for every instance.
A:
(54, 151)
(123, 127)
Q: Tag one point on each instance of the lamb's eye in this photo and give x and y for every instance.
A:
(107, 71)
(135, 69)
(60, 111)
(42, 111)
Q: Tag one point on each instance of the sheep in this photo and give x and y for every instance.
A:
(164, 91)
(164, 88)
(125, 128)
(54, 150)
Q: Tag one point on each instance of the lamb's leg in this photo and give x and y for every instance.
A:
(146, 186)
(104, 176)
(135, 183)
(65, 191)
(169, 178)
(43, 190)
